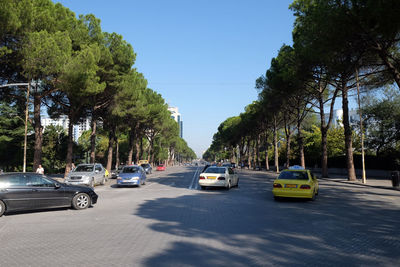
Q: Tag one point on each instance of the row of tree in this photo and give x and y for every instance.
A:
(339, 47)
(79, 71)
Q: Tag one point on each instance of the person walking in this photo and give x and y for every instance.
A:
(40, 169)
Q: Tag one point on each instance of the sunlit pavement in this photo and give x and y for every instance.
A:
(170, 222)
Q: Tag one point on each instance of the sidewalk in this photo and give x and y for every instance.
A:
(377, 183)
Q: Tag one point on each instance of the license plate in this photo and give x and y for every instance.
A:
(128, 181)
(290, 185)
(211, 177)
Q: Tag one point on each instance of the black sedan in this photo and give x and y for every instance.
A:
(29, 191)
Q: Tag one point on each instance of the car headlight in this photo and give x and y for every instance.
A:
(85, 178)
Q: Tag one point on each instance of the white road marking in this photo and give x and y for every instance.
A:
(194, 178)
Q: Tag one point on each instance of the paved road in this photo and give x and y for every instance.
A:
(169, 222)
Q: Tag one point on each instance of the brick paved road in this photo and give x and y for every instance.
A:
(164, 223)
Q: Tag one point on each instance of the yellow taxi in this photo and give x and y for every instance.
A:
(296, 182)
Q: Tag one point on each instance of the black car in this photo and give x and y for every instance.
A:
(147, 168)
(29, 191)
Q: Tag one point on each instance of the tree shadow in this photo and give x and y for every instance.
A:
(250, 228)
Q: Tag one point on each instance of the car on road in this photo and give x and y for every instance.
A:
(295, 182)
(219, 177)
(87, 174)
(131, 175)
(147, 167)
(30, 191)
(161, 167)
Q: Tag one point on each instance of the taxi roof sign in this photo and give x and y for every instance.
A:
(296, 167)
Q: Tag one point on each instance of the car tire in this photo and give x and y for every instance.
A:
(203, 188)
(103, 182)
(314, 196)
(229, 185)
(2, 208)
(81, 201)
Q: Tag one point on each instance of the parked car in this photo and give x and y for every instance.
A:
(147, 167)
(161, 167)
(131, 175)
(87, 174)
(218, 176)
(29, 191)
(296, 182)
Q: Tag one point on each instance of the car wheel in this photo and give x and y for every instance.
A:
(2, 208)
(81, 201)
(91, 183)
(103, 181)
(313, 196)
(229, 185)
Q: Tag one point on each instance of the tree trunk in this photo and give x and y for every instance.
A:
(348, 134)
(131, 146)
(37, 159)
(117, 160)
(249, 153)
(300, 140)
(70, 147)
(111, 138)
(266, 160)
(141, 148)
(93, 140)
(276, 152)
(137, 144)
(258, 151)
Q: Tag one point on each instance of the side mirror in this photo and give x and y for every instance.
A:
(57, 186)
(96, 171)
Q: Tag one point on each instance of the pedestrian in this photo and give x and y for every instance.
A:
(40, 169)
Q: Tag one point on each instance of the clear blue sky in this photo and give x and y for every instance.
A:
(203, 56)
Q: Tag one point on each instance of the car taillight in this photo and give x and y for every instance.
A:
(277, 186)
(305, 186)
(202, 177)
(221, 178)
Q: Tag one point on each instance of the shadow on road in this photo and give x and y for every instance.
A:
(246, 227)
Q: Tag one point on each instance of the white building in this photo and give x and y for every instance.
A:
(177, 117)
(63, 121)
(337, 118)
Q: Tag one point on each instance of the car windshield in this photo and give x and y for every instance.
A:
(132, 169)
(145, 165)
(293, 175)
(161, 165)
(84, 168)
(214, 170)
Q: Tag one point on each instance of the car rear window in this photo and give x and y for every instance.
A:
(215, 170)
(293, 175)
(130, 169)
(12, 180)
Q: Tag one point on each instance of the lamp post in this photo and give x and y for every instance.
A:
(26, 117)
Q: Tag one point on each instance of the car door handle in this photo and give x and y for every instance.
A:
(34, 190)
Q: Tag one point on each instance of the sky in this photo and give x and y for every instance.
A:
(202, 56)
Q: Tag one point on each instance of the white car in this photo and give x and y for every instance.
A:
(218, 176)
(87, 174)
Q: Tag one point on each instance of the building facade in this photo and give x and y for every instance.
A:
(177, 117)
(63, 121)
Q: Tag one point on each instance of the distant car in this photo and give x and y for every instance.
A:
(30, 191)
(296, 182)
(147, 167)
(131, 175)
(218, 176)
(161, 167)
(87, 174)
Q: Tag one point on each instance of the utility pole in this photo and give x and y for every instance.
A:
(364, 177)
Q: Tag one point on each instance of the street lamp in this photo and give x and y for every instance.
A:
(26, 116)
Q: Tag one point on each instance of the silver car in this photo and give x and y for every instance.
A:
(87, 174)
